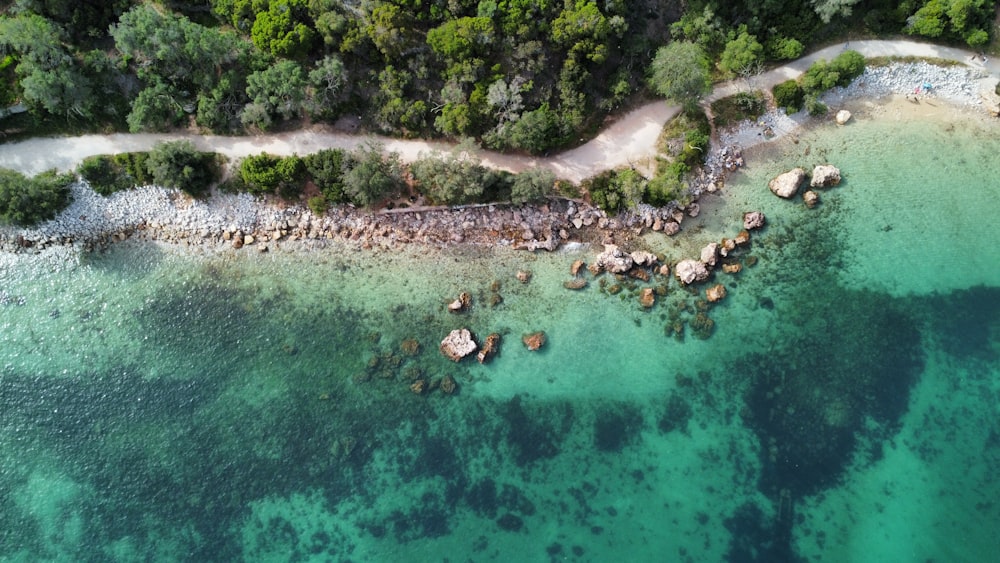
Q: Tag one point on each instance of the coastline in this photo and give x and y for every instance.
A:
(238, 221)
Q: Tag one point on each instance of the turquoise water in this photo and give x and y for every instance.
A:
(160, 404)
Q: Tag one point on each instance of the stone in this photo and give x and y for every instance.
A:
(534, 340)
(237, 243)
(811, 198)
(458, 344)
(614, 260)
(726, 246)
(842, 117)
(576, 267)
(639, 274)
(715, 293)
(825, 176)
(595, 269)
(418, 387)
(742, 237)
(787, 184)
(575, 283)
(657, 224)
(664, 270)
(753, 220)
(448, 385)
(647, 298)
(489, 349)
(733, 268)
(578, 223)
(248, 240)
(524, 276)
(693, 210)
(463, 302)
(671, 228)
(643, 258)
(690, 271)
(710, 254)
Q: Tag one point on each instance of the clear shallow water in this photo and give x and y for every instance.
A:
(169, 406)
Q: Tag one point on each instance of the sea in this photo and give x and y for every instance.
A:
(841, 403)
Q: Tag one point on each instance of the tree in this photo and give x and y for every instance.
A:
(680, 72)
(827, 9)
(453, 178)
(59, 90)
(371, 175)
(328, 82)
(461, 38)
(532, 184)
(26, 201)
(177, 164)
(277, 90)
(536, 131)
(743, 52)
(283, 29)
(266, 173)
(326, 168)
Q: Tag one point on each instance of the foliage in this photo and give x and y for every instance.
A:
(278, 90)
(283, 29)
(828, 9)
(965, 20)
(533, 132)
(326, 168)
(155, 109)
(104, 174)
(266, 173)
(177, 164)
(531, 184)
(616, 190)
(679, 72)
(844, 68)
(788, 95)
(318, 205)
(784, 48)
(371, 175)
(453, 178)
(814, 106)
(741, 53)
(328, 82)
(27, 201)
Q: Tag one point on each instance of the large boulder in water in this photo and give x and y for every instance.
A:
(710, 254)
(825, 176)
(787, 185)
(753, 220)
(458, 344)
(690, 271)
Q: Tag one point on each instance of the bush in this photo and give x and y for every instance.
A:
(785, 48)
(26, 201)
(788, 95)
(177, 164)
(104, 174)
(532, 184)
(814, 106)
(326, 168)
(848, 65)
(317, 204)
(844, 68)
(371, 175)
(266, 173)
(134, 165)
(615, 190)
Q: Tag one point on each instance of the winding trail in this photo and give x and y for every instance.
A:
(630, 139)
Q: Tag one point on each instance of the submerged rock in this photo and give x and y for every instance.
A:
(461, 304)
(535, 340)
(810, 198)
(715, 293)
(643, 258)
(490, 348)
(448, 385)
(825, 176)
(690, 271)
(576, 267)
(753, 220)
(524, 276)
(458, 344)
(576, 283)
(647, 298)
(787, 184)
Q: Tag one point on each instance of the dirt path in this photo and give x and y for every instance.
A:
(629, 140)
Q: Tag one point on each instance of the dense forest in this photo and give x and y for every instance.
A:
(522, 75)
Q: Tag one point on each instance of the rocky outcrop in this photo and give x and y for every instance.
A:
(489, 349)
(715, 293)
(787, 184)
(643, 258)
(810, 198)
(842, 117)
(576, 267)
(458, 344)
(533, 341)
(825, 176)
(753, 220)
(690, 271)
(710, 254)
(647, 298)
(614, 260)
(461, 304)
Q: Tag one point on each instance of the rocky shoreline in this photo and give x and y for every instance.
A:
(242, 221)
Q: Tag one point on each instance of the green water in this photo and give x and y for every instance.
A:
(176, 406)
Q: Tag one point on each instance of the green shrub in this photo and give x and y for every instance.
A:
(177, 164)
(326, 168)
(844, 68)
(317, 204)
(104, 174)
(848, 65)
(266, 173)
(615, 190)
(788, 95)
(134, 165)
(814, 106)
(26, 201)
(784, 48)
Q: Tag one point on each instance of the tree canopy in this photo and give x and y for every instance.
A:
(680, 72)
